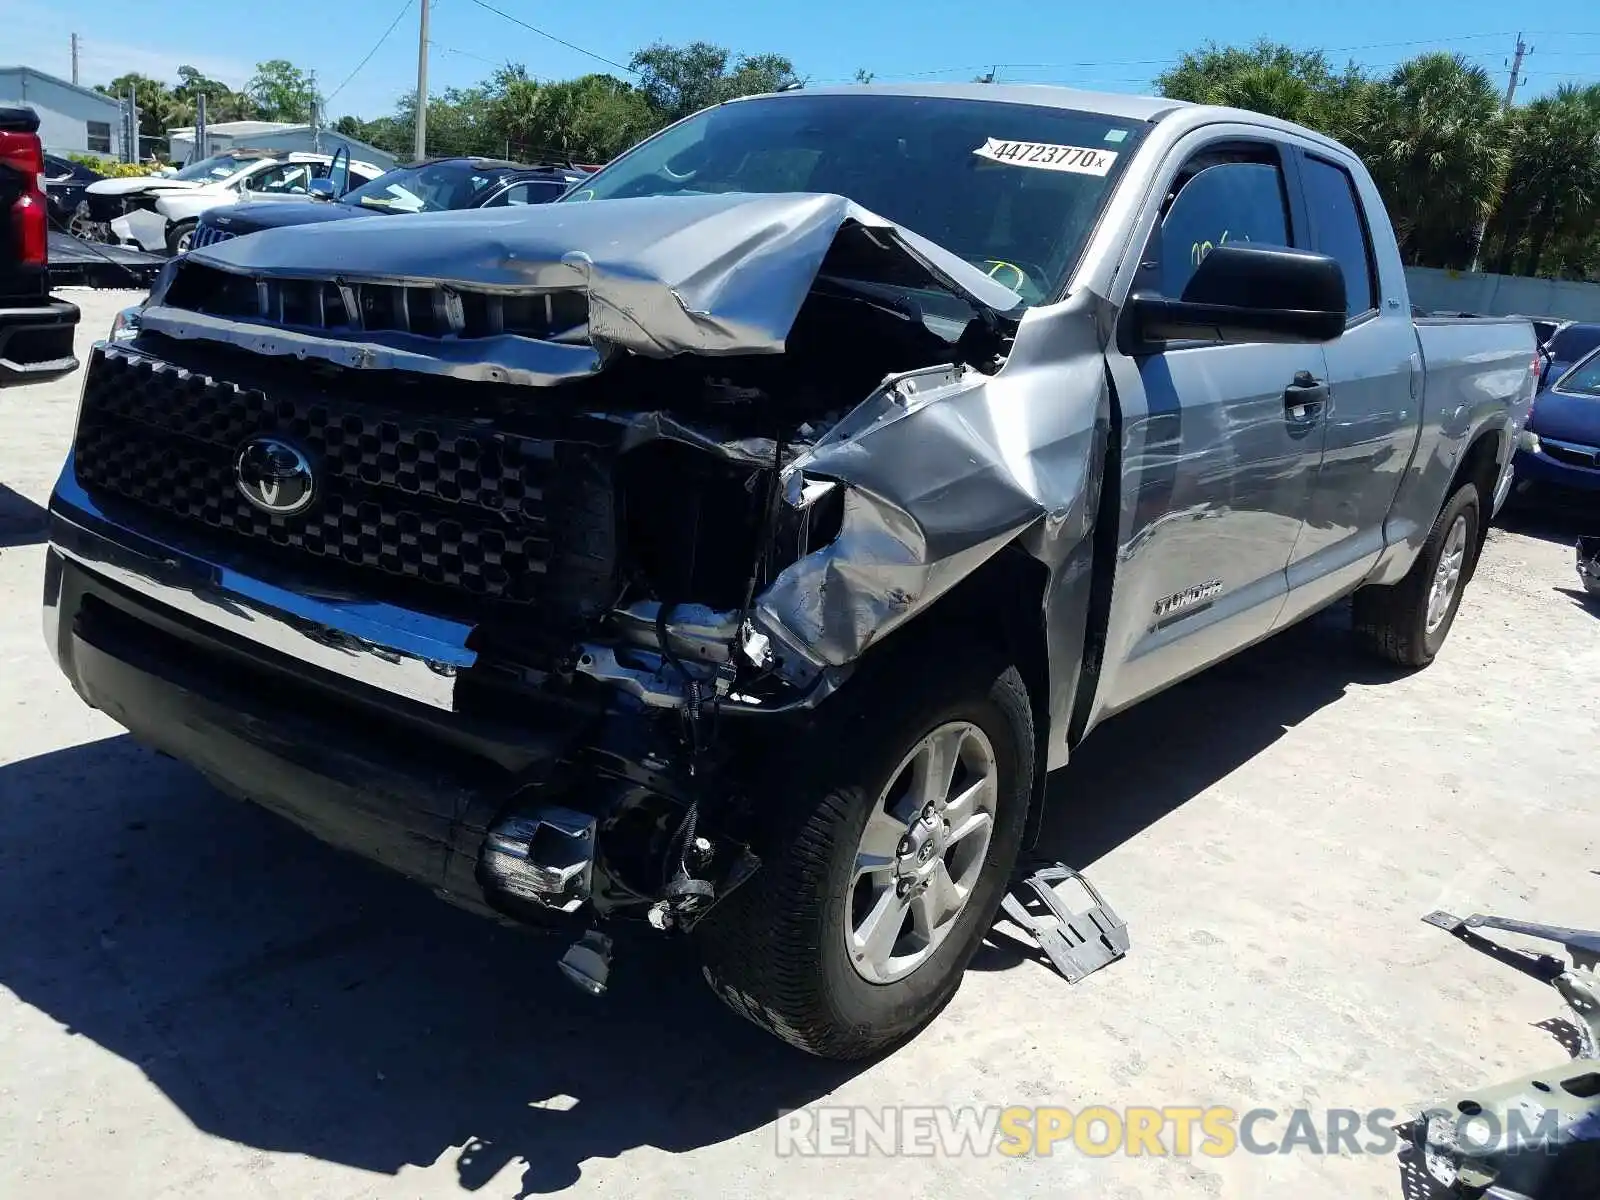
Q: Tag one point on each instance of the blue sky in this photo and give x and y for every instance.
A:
(1117, 49)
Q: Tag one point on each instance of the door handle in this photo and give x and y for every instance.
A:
(1305, 396)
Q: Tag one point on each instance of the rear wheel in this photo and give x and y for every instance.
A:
(900, 829)
(1408, 622)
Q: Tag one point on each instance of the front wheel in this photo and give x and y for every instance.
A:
(891, 852)
(180, 236)
(1408, 622)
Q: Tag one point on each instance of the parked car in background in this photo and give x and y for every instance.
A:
(1544, 328)
(1570, 343)
(66, 186)
(436, 185)
(158, 213)
(35, 329)
(1560, 443)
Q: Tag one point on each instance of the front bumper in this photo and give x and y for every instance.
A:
(36, 342)
(327, 712)
(373, 727)
(142, 227)
(1544, 466)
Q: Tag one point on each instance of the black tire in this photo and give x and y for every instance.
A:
(1392, 621)
(178, 235)
(775, 952)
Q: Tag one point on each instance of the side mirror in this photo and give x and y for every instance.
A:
(1244, 293)
(322, 189)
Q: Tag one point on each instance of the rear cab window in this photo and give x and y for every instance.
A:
(1339, 230)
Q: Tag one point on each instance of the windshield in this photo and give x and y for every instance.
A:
(218, 166)
(1012, 188)
(431, 187)
(1583, 378)
(1573, 342)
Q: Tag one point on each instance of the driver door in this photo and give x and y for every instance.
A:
(1220, 442)
(280, 182)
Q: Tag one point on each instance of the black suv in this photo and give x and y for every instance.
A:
(434, 185)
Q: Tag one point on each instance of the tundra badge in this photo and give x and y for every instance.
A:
(1188, 598)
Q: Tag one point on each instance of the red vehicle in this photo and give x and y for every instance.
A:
(35, 330)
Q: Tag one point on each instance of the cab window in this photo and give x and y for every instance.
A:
(1339, 230)
(1219, 202)
(285, 177)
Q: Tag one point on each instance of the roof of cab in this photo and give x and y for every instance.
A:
(1112, 104)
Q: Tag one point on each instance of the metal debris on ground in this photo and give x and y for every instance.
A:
(1536, 1137)
(1078, 939)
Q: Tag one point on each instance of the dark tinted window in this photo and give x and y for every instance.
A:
(1573, 342)
(1222, 204)
(531, 191)
(1337, 230)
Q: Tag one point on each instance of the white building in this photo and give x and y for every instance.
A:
(272, 135)
(72, 119)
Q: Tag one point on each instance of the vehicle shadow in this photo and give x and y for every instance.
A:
(1552, 521)
(1205, 728)
(22, 522)
(287, 997)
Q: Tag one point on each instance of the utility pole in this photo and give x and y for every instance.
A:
(199, 127)
(421, 147)
(1516, 79)
(316, 117)
(1512, 84)
(74, 58)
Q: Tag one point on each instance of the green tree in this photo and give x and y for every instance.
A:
(1548, 222)
(281, 91)
(679, 80)
(1435, 141)
(589, 119)
(222, 102)
(156, 108)
(1270, 78)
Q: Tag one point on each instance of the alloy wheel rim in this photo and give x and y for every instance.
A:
(1447, 575)
(921, 853)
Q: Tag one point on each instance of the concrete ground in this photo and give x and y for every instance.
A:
(196, 1000)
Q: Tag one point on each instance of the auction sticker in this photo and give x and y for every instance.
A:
(1043, 156)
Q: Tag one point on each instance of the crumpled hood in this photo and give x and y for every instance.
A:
(141, 183)
(664, 275)
(248, 217)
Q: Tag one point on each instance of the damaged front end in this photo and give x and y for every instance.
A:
(679, 462)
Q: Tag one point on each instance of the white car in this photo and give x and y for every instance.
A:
(158, 213)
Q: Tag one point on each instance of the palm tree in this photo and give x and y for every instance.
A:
(1549, 217)
(1436, 142)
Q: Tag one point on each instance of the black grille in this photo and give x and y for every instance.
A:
(209, 235)
(461, 509)
(1572, 455)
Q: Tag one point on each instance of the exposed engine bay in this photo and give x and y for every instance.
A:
(705, 472)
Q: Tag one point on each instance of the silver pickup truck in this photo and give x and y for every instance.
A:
(737, 543)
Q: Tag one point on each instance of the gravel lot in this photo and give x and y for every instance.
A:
(197, 1000)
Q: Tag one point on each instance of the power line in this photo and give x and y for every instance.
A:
(552, 37)
(493, 62)
(405, 8)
